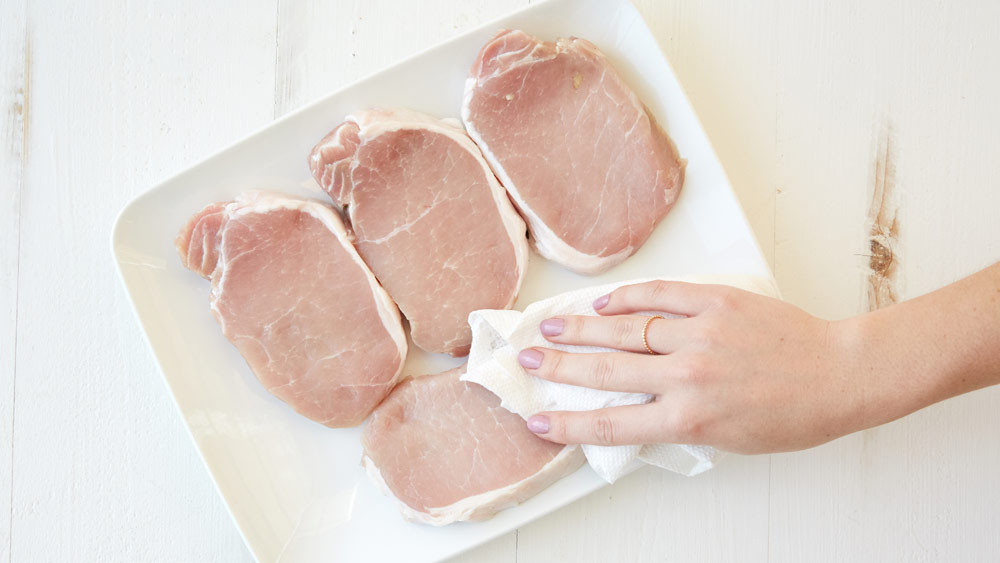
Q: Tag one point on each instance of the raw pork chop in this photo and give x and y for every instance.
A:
(429, 218)
(294, 297)
(583, 159)
(448, 451)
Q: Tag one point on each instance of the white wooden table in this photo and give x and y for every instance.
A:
(816, 109)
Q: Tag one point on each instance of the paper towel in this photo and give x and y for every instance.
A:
(498, 336)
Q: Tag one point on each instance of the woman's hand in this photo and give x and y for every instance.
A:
(748, 373)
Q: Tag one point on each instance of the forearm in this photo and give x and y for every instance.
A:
(927, 349)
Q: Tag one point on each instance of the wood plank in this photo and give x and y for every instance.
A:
(655, 515)
(725, 65)
(14, 103)
(123, 94)
(724, 56)
(325, 46)
(797, 100)
(863, 88)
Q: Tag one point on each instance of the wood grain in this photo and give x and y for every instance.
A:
(15, 98)
(728, 68)
(883, 234)
(324, 46)
(121, 95)
(914, 489)
(795, 98)
(654, 515)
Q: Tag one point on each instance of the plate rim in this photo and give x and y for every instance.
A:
(116, 238)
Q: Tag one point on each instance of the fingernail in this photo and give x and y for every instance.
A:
(601, 301)
(530, 359)
(552, 327)
(539, 424)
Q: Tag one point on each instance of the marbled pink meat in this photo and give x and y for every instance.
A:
(294, 297)
(584, 161)
(429, 218)
(447, 451)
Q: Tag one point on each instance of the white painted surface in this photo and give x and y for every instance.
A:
(794, 96)
(12, 95)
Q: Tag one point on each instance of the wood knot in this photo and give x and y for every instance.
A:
(883, 232)
(881, 258)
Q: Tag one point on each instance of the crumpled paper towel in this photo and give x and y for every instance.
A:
(498, 336)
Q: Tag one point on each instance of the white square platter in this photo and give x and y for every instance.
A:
(295, 488)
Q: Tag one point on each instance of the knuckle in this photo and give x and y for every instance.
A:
(623, 331)
(658, 291)
(604, 429)
(557, 427)
(693, 370)
(726, 298)
(552, 366)
(601, 372)
(688, 424)
(707, 335)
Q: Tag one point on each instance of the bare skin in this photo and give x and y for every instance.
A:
(751, 374)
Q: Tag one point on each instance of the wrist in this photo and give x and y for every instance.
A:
(894, 365)
(854, 351)
(891, 362)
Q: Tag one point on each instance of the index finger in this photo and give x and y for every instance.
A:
(679, 298)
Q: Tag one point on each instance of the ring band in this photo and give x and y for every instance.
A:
(645, 331)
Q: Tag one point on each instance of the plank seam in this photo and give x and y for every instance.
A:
(25, 119)
(277, 57)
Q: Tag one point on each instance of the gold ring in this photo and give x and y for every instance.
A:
(645, 331)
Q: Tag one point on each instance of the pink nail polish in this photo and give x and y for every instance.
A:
(552, 327)
(539, 424)
(601, 302)
(530, 359)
